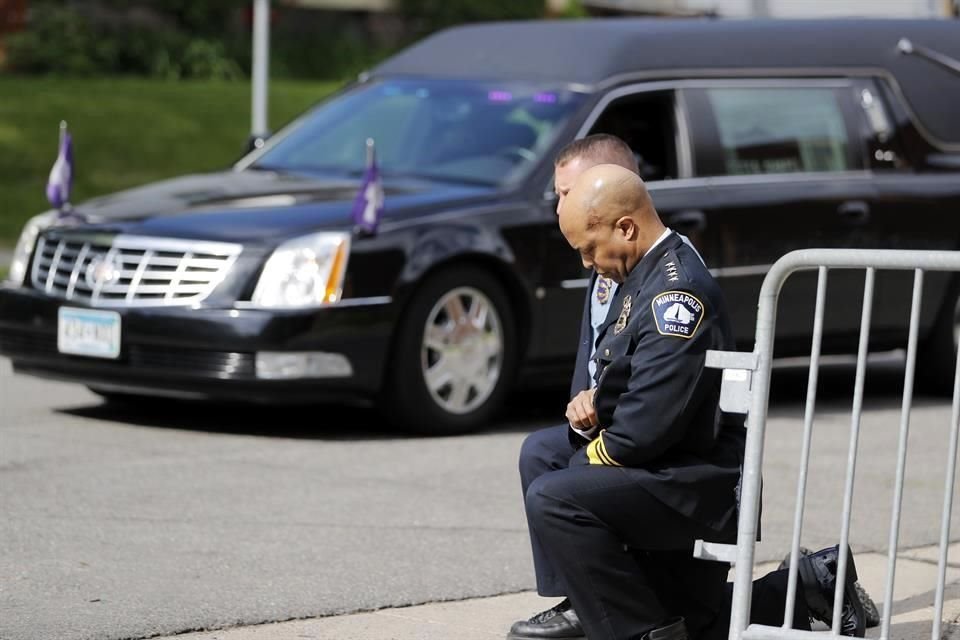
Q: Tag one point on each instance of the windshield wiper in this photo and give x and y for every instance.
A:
(907, 48)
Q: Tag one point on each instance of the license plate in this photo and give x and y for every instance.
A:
(85, 332)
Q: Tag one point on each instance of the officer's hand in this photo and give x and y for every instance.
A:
(580, 411)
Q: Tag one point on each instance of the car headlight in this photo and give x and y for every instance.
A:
(304, 272)
(25, 245)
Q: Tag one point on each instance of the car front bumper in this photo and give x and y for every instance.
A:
(210, 352)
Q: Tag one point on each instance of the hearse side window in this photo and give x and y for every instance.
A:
(760, 130)
(646, 123)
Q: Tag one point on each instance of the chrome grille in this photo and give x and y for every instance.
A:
(130, 271)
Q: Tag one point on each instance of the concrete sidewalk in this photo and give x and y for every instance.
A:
(490, 618)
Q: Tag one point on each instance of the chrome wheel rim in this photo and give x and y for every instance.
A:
(462, 351)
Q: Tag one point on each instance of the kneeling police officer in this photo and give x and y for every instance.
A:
(664, 468)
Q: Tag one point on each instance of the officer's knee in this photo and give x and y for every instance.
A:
(539, 501)
(530, 453)
(536, 457)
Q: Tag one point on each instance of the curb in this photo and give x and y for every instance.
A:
(490, 618)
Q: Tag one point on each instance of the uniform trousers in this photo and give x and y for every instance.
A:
(623, 557)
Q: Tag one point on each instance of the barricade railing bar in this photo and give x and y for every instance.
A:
(746, 388)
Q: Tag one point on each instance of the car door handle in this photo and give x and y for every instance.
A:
(854, 211)
(687, 221)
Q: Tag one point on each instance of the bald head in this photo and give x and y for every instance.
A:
(609, 218)
(606, 192)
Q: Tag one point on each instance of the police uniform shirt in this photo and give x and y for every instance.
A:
(656, 402)
(604, 289)
(601, 294)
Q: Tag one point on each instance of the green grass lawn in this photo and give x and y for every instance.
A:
(126, 132)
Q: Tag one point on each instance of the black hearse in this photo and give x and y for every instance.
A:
(755, 138)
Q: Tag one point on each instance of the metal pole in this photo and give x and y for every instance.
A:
(947, 504)
(812, 375)
(261, 60)
(753, 455)
(907, 406)
(852, 453)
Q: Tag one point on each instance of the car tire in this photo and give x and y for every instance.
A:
(937, 357)
(455, 354)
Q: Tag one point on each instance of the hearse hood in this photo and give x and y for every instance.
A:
(250, 206)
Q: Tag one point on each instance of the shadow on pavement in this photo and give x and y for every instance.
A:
(525, 410)
(306, 422)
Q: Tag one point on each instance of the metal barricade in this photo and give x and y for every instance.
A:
(746, 387)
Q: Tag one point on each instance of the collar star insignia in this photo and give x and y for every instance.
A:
(670, 269)
(624, 315)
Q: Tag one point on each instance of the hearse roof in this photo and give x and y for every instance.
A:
(603, 51)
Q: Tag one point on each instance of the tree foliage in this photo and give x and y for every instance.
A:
(108, 37)
(211, 38)
(197, 17)
(437, 14)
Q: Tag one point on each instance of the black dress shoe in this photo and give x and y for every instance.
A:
(870, 611)
(672, 629)
(560, 621)
(818, 572)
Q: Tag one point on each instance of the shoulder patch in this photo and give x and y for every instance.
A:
(677, 313)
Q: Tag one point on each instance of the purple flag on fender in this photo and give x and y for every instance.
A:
(61, 175)
(368, 207)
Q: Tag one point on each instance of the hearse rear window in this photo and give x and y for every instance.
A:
(779, 130)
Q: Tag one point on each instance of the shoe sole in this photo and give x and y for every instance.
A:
(850, 593)
(870, 610)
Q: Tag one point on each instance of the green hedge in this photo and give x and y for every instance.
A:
(61, 40)
(210, 39)
(126, 132)
(438, 14)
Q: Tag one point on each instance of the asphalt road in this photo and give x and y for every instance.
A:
(167, 517)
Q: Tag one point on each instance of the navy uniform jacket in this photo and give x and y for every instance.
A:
(657, 404)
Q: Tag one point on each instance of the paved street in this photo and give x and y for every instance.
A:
(168, 517)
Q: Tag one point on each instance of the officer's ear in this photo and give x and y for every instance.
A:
(628, 227)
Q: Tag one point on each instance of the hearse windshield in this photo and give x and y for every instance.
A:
(445, 130)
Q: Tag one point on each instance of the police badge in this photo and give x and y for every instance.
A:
(624, 315)
(604, 285)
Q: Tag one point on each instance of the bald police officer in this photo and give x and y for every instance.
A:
(696, 497)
